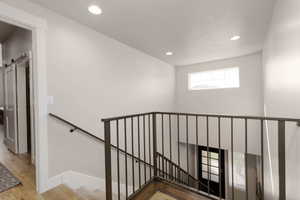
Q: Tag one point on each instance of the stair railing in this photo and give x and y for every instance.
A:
(176, 173)
(147, 136)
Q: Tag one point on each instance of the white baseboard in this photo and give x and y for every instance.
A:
(76, 180)
(55, 181)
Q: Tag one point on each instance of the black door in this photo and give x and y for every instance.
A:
(211, 170)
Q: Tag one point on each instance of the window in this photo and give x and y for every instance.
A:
(211, 168)
(210, 164)
(216, 79)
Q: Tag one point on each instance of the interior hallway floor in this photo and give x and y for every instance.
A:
(22, 168)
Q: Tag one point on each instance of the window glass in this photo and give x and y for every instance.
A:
(216, 79)
(210, 165)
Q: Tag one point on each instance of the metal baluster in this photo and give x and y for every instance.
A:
(197, 143)
(167, 169)
(154, 144)
(179, 175)
(197, 132)
(132, 148)
(175, 173)
(162, 143)
(118, 160)
(178, 145)
(108, 175)
(208, 156)
(159, 167)
(144, 130)
(170, 135)
(281, 160)
(126, 175)
(139, 151)
(149, 132)
(262, 158)
(220, 164)
(246, 157)
(187, 146)
(232, 173)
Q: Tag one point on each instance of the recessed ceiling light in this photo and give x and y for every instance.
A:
(236, 37)
(95, 10)
(169, 53)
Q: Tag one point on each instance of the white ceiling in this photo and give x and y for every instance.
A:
(6, 30)
(195, 30)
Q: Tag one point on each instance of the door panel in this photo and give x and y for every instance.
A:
(22, 107)
(10, 108)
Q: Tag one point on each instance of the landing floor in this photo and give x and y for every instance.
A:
(22, 168)
(166, 192)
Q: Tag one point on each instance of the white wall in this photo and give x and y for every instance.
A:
(91, 77)
(18, 42)
(282, 90)
(246, 100)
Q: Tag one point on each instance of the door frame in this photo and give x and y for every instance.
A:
(38, 27)
(221, 173)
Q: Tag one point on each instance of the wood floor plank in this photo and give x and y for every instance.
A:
(177, 193)
(21, 167)
(61, 192)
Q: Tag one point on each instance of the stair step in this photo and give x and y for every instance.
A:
(94, 195)
(161, 196)
(91, 195)
(61, 192)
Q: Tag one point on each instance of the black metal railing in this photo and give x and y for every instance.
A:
(175, 173)
(120, 152)
(165, 141)
(75, 127)
(136, 132)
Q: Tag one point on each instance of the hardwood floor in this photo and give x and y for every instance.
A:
(160, 196)
(174, 192)
(22, 168)
(61, 192)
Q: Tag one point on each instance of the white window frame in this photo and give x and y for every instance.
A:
(234, 85)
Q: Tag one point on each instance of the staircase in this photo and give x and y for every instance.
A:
(156, 161)
(155, 191)
(175, 173)
(158, 149)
